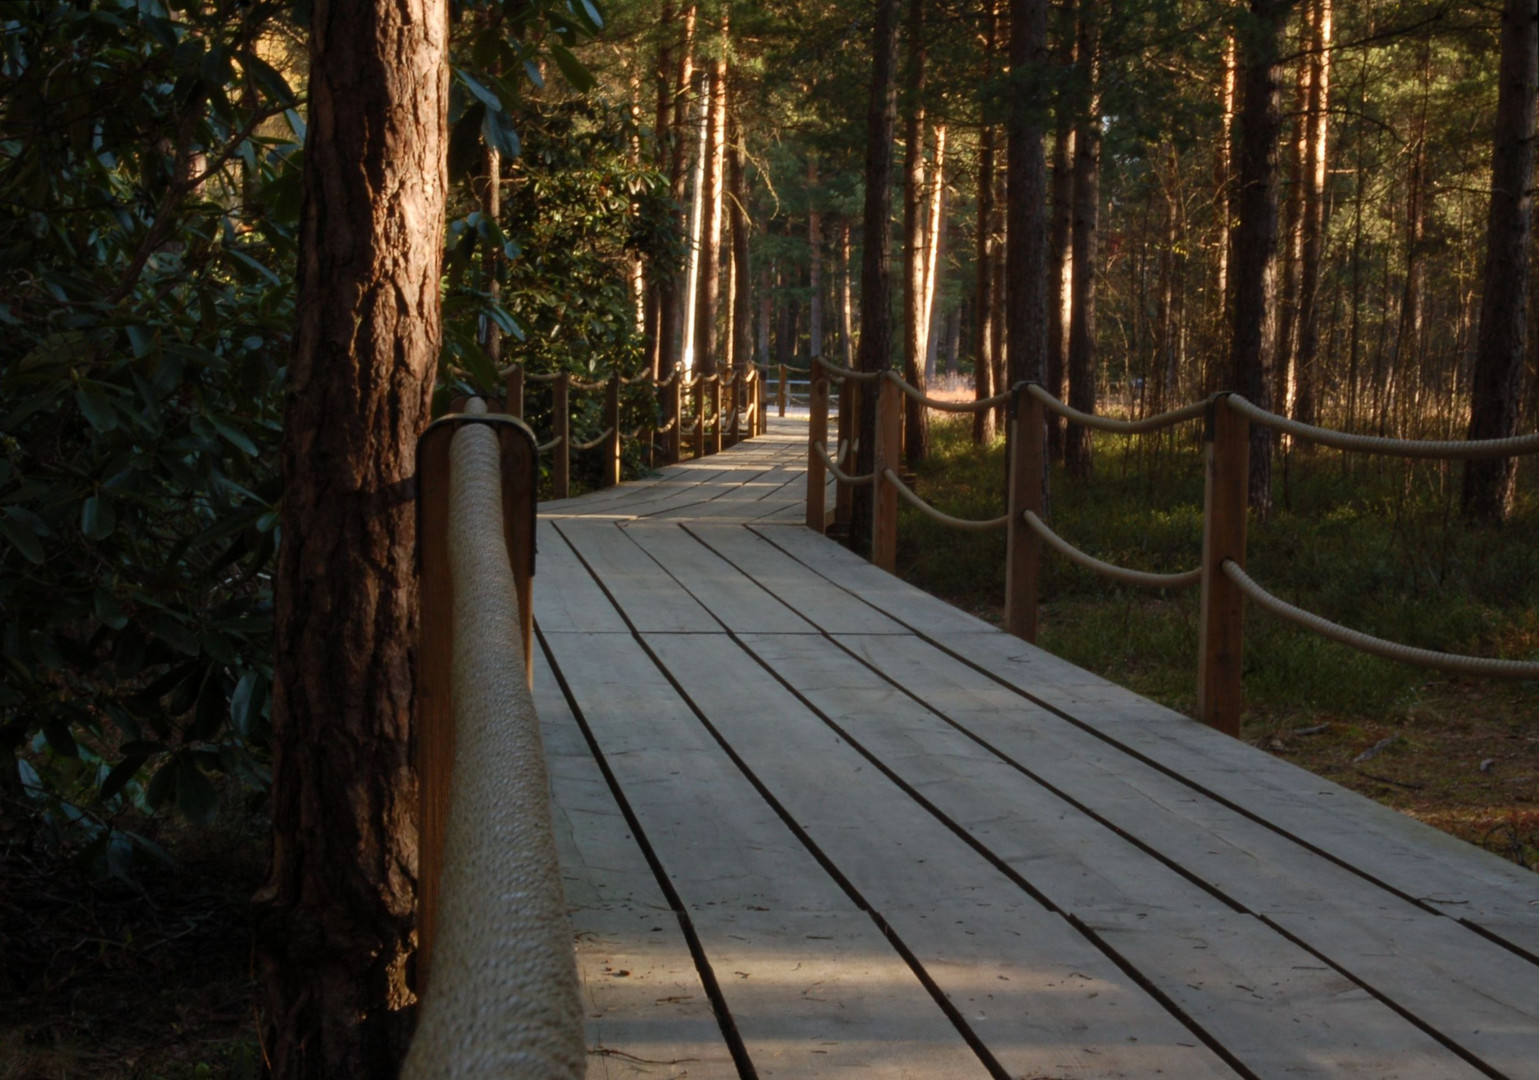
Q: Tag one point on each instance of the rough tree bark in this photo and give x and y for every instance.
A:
(1488, 485)
(670, 320)
(1087, 203)
(875, 350)
(1026, 199)
(337, 914)
(1253, 267)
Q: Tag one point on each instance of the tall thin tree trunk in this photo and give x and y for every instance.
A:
(681, 138)
(985, 313)
(846, 298)
(1026, 182)
(935, 242)
(660, 288)
(1488, 485)
(1087, 197)
(876, 261)
(814, 261)
(916, 426)
(1253, 270)
(698, 216)
(1304, 403)
(1224, 195)
(491, 206)
(337, 914)
(1291, 239)
(737, 181)
(1059, 247)
(708, 297)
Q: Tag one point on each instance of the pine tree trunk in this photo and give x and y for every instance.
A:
(814, 262)
(1253, 268)
(660, 291)
(742, 298)
(916, 427)
(336, 919)
(1304, 407)
(708, 296)
(935, 233)
(1223, 214)
(1291, 240)
(1488, 485)
(1087, 197)
(875, 352)
(846, 298)
(1059, 251)
(680, 139)
(985, 314)
(1026, 183)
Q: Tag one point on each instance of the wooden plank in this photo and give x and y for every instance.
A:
(875, 586)
(811, 984)
(718, 585)
(566, 598)
(832, 610)
(1044, 1000)
(1275, 1006)
(646, 1011)
(1458, 879)
(1481, 996)
(644, 593)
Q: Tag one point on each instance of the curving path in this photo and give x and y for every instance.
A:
(815, 822)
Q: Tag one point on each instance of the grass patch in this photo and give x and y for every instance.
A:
(1374, 544)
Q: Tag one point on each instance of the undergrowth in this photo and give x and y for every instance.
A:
(1375, 544)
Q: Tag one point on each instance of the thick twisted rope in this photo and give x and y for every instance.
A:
(974, 406)
(1390, 650)
(584, 384)
(1111, 570)
(543, 447)
(594, 442)
(548, 377)
(836, 371)
(1450, 450)
(838, 473)
(503, 1000)
(1124, 427)
(669, 426)
(912, 498)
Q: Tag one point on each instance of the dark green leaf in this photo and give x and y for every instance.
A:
(95, 406)
(121, 774)
(97, 519)
(21, 537)
(579, 76)
(498, 131)
(492, 101)
(195, 795)
(233, 435)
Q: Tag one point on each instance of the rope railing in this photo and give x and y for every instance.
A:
(1193, 411)
(977, 405)
(495, 968)
(838, 473)
(835, 371)
(1123, 574)
(733, 402)
(1445, 449)
(910, 496)
(1492, 667)
(1225, 586)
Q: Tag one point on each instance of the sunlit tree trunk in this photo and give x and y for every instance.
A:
(1307, 352)
(916, 427)
(985, 313)
(737, 182)
(336, 928)
(1059, 248)
(935, 233)
(846, 298)
(814, 261)
(1488, 485)
(680, 140)
(708, 296)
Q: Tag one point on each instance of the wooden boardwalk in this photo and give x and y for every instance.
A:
(817, 823)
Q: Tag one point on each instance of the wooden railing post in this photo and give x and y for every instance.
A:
(1023, 547)
(676, 411)
(698, 386)
(761, 418)
(1220, 630)
(817, 433)
(780, 391)
(844, 495)
(716, 414)
(888, 455)
(610, 471)
(561, 425)
(515, 391)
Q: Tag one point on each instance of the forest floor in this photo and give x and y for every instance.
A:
(142, 979)
(1379, 548)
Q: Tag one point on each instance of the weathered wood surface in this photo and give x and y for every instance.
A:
(814, 821)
